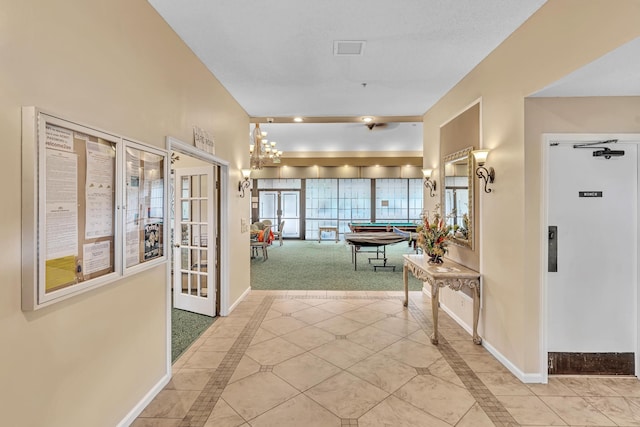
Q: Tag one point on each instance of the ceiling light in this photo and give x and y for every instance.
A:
(297, 119)
(367, 119)
(261, 151)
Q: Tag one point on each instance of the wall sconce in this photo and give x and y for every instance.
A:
(428, 182)
(245, 183)
(488, 175)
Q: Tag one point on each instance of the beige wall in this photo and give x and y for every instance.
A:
(117, 66)
(561, 37)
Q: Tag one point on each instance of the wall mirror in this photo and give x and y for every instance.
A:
(457, 195)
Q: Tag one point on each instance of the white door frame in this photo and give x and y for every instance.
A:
(174, 144)
(544, 215)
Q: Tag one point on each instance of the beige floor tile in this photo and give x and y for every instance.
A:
(364, 315)
(282, 325)
(397, 413)
(317, 298)
(554, 387)
(437, 397)
(247, 366)
(339, 325)
(157, 422)
(309, 337)
(504, 384)
(342, 353)
(618, 409)
(288, 306)
(444, 371)
(624, 386)
(387, 306)
(413, 353)
(189, 379)
(170, 404)
(305, 371)
(273, 351)
(337, 306)
(466, 345)
(346, 395)
(383, 372)
(312, 315)
(342, 294)
(296, 293)
(475, 417)
(373, 338)
(272, 314)
(205, 360)
(420, 336)
(257, 393)
(217, 344)
(360, 302)
(261, 336)
(530, 410)
(576, 411)
(589, 386)
(483, 363)
(223, 415)
(394, 325)
(299, 411)
(231, 331)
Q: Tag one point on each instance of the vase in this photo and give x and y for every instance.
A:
(435, 259)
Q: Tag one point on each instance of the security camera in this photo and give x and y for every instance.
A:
(270, 120)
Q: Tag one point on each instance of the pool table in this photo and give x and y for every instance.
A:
(357, 227)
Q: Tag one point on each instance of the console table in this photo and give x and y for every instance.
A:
(450, 274)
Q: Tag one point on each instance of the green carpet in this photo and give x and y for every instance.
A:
(309, 265)
(185, 328)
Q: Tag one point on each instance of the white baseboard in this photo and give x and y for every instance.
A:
(144, 402)
(522, 376)
(239, 300)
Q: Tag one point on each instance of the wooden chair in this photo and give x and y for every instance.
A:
(278, 233)
(264, 244)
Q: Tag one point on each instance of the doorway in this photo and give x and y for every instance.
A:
(281, 205)
(590, 291)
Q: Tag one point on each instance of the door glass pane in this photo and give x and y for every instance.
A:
(184, 259)
(185, 235)
(203, 211)
(203, 236)
(203, 261)
(185, 282)
(195, 186)
(195, 235)
(203, 186)
(185, 210)
(203, 285)
(184, 187)
(195, 210)
(194, 284)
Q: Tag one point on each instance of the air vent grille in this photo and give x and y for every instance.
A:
(348, 47)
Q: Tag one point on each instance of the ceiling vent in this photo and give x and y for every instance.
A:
(348, 47)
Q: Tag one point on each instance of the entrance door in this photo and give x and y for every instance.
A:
(591, 298)
(282, 206)
(194, 249)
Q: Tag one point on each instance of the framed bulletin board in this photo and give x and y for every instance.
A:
(145, 184)
(72, 207)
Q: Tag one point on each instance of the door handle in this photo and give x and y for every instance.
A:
(553, 249)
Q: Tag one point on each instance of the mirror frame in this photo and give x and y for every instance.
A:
(449, 158)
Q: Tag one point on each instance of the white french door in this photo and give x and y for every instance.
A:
(282, 205)
(591, 297)
(194, 260)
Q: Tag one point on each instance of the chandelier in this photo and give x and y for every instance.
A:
(262, 152)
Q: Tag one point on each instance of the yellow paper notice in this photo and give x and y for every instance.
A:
(60, 272)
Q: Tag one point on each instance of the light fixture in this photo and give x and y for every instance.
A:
(367, 119)
(487, 175)
(428, 182)
(244, 183)
(298, 119)
(261, 150)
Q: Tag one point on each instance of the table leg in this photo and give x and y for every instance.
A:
(476, 314)
(435, 302)
(405, 278)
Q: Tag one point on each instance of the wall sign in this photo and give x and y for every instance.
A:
(589, 193)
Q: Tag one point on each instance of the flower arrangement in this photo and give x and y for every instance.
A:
(433, 236)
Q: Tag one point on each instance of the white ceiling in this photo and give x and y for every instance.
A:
(276, 59)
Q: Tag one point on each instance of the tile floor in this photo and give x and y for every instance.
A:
(323, 358)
